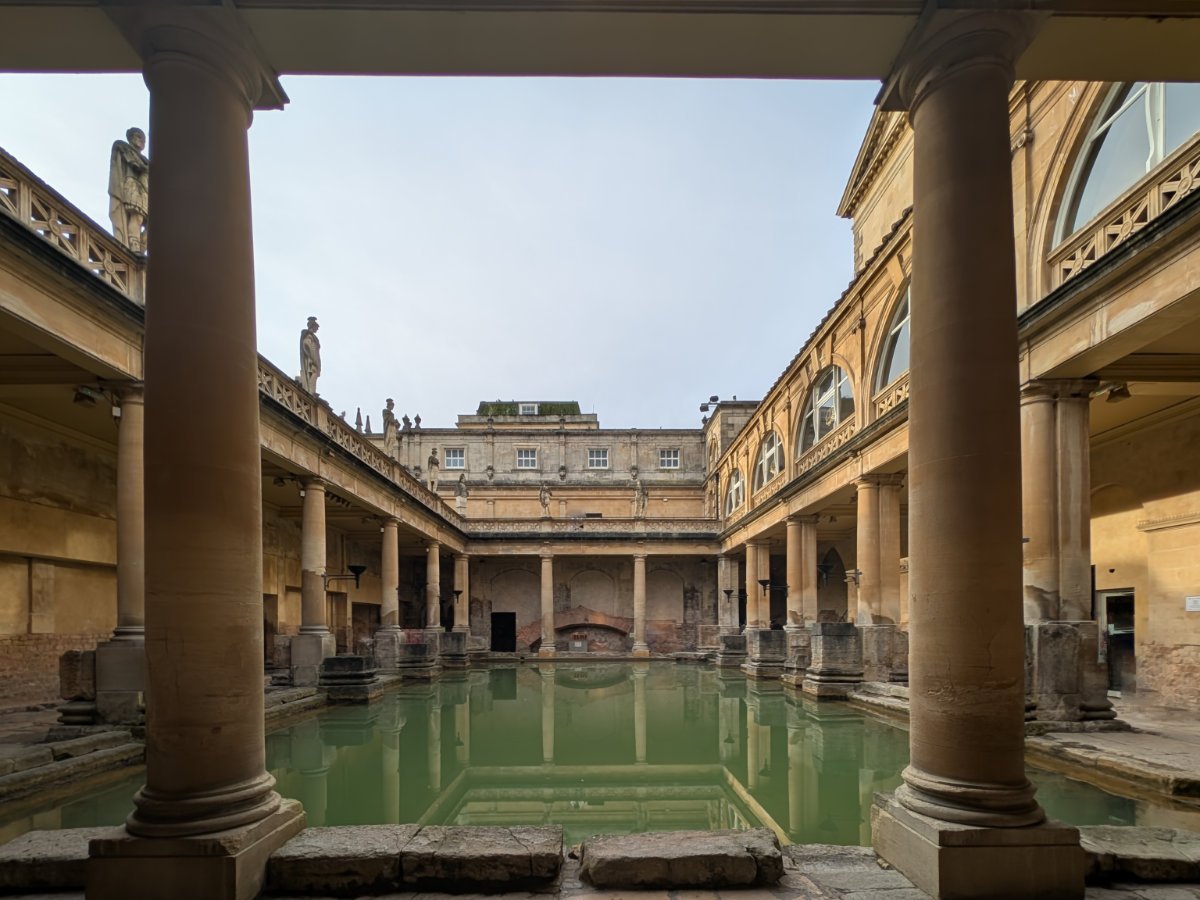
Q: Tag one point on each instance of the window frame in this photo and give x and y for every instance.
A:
(665, 454)
(735, 484)
(770, 446)
(534, 458)
(892, 338)
(447, 458)
(594, 454)
(815, 402)
(527, 409)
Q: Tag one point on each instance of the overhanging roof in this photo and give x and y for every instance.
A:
(1088, 39)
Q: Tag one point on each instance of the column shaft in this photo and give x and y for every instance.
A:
(889, 552)
(967, 662)
(131, 521)
(795, 573)
(639, 604)
(433, 585)
(390, 576)
(548, 639)
(867, 563)
(462, 587)
(808, 570)
(1074, 504)
(751, 585)
(313, 559)
(726, 604)
(205, 757)
(1039, 503)
(639, 715)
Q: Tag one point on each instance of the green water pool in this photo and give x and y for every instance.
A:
(595, 748)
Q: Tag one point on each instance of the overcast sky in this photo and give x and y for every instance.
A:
(633, 244)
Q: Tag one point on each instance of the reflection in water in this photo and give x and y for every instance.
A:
(596, 748)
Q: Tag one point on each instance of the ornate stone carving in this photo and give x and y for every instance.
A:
(895, 394)
(840, 436)
(390, 437)
(310, 356)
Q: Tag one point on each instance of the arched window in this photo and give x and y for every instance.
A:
(1137, 129)
(830, 402)
(735, 494)
(770, 460)
(893, 362)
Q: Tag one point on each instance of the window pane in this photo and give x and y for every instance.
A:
(1117, 159)
(826, 417)
(809, 435)
(845, 401)
(1182, 116)
(825, 382)
(895, 361)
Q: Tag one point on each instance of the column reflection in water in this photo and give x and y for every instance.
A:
(433, 745)
(391, 723)
(640, 671)
(547, 673)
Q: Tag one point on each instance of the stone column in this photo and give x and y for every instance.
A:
(548, 636)
(462, 586)
(726, 604)
(315, 642)
(869, 603)
(752, 587)
(389, 637)
(131, 518)
(433, 586)
(1039, 502)
(795, 574)
(640, 647)
(205, 752)
(121, 661)
(964, 821)
(1074, 502)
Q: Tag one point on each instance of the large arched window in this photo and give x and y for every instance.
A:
(735, 494)
(770, 460)
(830, 402)
(893, 362)
(1139, 126)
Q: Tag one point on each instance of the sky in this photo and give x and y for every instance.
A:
(634, 244)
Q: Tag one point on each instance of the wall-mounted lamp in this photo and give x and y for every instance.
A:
(710, 402)
(1117, 393)
(765, 583)
(85, 396)
(853, 576)
(355, 573)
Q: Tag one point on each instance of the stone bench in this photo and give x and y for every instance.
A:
(682, 859)
(367, 859)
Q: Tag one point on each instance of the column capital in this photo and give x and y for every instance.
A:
(432, 544)
(390, 522)
(313, 483)
(798, 520)
(546, 553)
(134, 392)
(1046, 389)
(880, 479)
(947, 42)
(641, 554)
(213, 39)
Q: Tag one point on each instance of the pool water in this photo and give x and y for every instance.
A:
(610, 747)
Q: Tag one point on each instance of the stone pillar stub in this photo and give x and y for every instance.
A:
(767, 651)
(837, 661)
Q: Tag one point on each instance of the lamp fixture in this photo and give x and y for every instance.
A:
(356, 572)
(1117, 393)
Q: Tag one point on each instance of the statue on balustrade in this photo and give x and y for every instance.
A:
(460, 494)
(128, 190)
(390, 438)
(433, 466)
(544, 499)
(639, 499)
(310, 356)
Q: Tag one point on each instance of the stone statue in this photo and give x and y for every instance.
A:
(433, 466)
(417, 421)
(128, 190)
(460, 494)
(544, 499)
(639, 500)
(310, 356)
(407, 422)
(390, 438)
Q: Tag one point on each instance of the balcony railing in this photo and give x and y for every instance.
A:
(891, 396)
(826, 446)
(48, 214)
(703, 528)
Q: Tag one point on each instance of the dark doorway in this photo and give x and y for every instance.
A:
(364, 623)
(1117, 622)
(504, 632)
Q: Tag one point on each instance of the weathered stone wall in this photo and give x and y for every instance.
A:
(29, 663)
(1145, 531)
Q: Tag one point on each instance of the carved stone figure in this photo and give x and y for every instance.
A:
(128, 190)
(433, 466)
(310, 356)
(544, 499)
(639, 500)
(417, 421)
(390, 438)
(460, 495)
(407, 422)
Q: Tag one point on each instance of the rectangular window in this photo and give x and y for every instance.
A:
(527, 458)
(668, 459)
(456, 458)
(598, 459)
(528, 409)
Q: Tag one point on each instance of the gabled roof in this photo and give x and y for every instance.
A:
(883, 131)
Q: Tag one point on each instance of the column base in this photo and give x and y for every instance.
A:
(121, 681)
(453, 648)
(732, 651)
(387, 648)
(546, 652)
(226, 865)
(963, 861)
(768, 650)
(308, 652)
(641, 650)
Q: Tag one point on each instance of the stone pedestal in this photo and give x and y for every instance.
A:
(387, 648)
(121, 682)
(946, 859)
(350, 679)
(708, 637)
(899, 673)
(227, 864)
(454, 650)
(419, 661)
(837, 662)
(799, 654)
(1066, 683)
(767, 651)
(731, 651)
(77, 686)
(877, 650)
(308, 652)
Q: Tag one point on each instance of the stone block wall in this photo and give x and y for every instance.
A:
(29, 664)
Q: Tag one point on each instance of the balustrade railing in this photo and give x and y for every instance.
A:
(828, 445)
(892, 396)
(48, 214)
(579, 525)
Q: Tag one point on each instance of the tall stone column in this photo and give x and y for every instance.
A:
(869, 603)
(433, 586)
(548, 636)
(1074, 501)
(462, 588)
(795, 574)
(752, 587)
(889, 549)
(389, 636)
(1039, 502)
(315, 642)
(965, 822)
(205, 752)
(131, 518)
(726, 603)
(801, 596)
(640, 647)
(121, 661)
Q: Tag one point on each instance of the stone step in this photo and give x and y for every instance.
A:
(682, 859)
(54, 773)
(884, 689)
(349, 861)
(47, 860)
(1123, 852)
(89, 744)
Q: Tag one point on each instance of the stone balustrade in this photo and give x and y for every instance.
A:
(45, 212)
(700, 528)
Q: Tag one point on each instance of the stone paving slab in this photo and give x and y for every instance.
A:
(1142, 853)
(712, 859)
(482, 857)
(345, 861)
(48, 860)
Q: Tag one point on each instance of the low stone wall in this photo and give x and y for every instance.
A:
(29, 663)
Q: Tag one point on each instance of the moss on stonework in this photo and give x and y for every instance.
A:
(512, 408)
